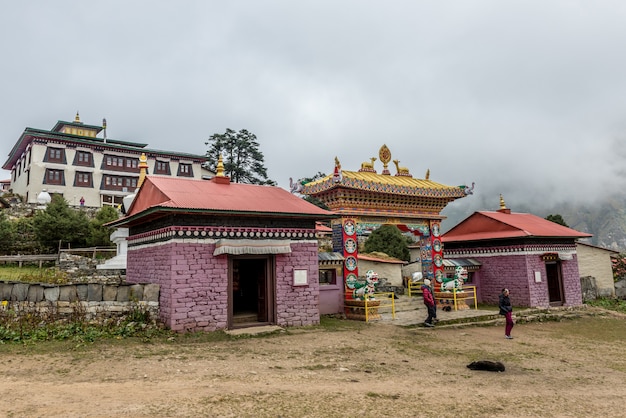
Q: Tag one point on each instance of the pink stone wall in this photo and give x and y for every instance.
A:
(152, 265)
(297, 305)
(499, 272)
(517, 273)
(573, 294)
(194, 284)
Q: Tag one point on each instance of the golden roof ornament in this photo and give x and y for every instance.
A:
(401, 171)
(220, 167)
(427, 174)
(385, 156)
(368, 166)
(502, 204)
(143, 166)
(77, 118)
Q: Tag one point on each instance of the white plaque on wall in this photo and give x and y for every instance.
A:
(300, 277)
(537, 277)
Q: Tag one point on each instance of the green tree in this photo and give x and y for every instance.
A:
(243, 161)
(557, 219)
(59, 223)
(389, 240)
(7, 233)
(26, 239)
(99, 234)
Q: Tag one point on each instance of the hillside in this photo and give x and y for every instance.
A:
(605, 219)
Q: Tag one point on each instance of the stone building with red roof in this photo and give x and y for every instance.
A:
(226, 255)
(534, 258)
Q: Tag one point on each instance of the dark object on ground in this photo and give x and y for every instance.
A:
(486, 365)
(446, 308)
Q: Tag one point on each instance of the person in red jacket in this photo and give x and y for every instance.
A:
(429, 301)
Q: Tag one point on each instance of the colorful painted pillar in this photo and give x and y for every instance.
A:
(436, 253)
(345, 242)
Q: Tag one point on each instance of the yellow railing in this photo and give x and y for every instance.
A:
(453, 295)
(414, 288)
(368, 307)
(387, 300)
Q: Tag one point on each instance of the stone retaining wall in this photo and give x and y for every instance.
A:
(93, 300)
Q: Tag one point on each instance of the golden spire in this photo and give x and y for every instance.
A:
(77, 118)
(143, 165)
(502, 204)
(220, 167)
(427, 174)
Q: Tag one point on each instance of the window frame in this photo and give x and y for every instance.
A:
(325, 272)
(49, 178)
(185, 170)
(87, 183)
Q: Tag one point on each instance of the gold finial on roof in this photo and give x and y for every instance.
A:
(77, 117)
(220, 167)
(427, 174)
(385, 156)
(502, 204)
(143, 166)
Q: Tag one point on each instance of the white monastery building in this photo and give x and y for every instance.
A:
(73, 161)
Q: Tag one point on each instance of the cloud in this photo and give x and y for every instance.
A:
(523, 98)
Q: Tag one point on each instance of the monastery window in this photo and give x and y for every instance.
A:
(162, 167)
(328, 276)
(55, 155)
(83, 179)
(83, 158)
(54, 177)
(109, 200)
(185, 170)
(119, 183)
(113, 162)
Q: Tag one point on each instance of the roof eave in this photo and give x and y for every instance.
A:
(168, 210)
(509, 237)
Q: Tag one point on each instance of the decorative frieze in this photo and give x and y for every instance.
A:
(219, 232)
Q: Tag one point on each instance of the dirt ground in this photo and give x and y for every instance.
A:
(572, 368)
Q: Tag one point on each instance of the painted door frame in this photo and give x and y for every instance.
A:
(554, 282)
(269, 289)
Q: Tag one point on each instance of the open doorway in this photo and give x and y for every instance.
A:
(252, 291)
(555, 283)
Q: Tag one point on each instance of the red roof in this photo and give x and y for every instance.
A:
(320, 228)
(217, 195)
(501, 225)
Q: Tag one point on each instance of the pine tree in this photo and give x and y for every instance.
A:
(243, 161)
(60, 223)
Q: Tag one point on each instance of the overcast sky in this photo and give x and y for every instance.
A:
(524, 98)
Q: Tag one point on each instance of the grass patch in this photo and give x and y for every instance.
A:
(32, 274)
(332, 323)
(610, 304)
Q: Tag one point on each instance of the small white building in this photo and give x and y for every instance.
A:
(596, 262)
